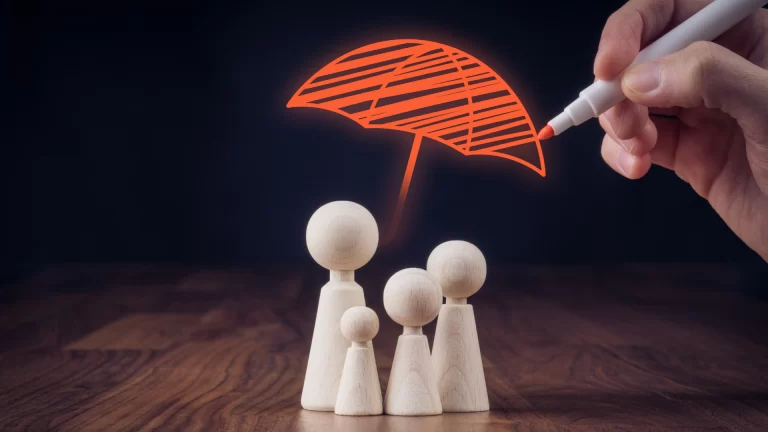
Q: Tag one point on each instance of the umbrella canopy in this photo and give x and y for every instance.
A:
(430, 90)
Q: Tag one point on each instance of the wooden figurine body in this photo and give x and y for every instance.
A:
(359, 389)
(329, 347)
(460, 269)
(412, 299)
(457, 362)
(341, 236)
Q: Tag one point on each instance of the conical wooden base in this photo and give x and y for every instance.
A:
(412, 389)
(359, 390)
(329, 347)
(456, 361)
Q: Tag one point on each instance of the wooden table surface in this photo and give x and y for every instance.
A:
(636, 347)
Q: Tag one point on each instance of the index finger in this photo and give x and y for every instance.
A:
(635, 25)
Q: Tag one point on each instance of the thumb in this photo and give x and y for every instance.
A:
(703, 74)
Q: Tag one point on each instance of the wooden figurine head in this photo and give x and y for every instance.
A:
(342, 235)
(459, 267)
(412, 297)
(359, 324)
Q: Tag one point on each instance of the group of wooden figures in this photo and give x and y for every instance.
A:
(341, 375)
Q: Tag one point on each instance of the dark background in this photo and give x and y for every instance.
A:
(157, 132)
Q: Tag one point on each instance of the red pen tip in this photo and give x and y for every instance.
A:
(546, 133)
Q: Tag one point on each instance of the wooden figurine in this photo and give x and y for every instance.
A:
(359, 389)
(460, 269)
(342, 237)
(412, 298)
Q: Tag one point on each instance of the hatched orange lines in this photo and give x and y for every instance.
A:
(430, 90)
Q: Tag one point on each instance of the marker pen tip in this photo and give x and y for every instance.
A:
(546, 133)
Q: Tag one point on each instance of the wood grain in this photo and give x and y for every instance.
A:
(457, 362)
(412, 387)
(138, 347)
(359, 389)
(328, 348)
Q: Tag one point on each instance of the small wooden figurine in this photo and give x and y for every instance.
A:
(359, 390)
(412, 299)
(460, 269)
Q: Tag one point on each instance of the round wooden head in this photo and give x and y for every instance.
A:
(412, 297)
(359, 324)
(342, 235)
(459, 267)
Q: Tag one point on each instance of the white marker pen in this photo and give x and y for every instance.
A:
(705, 25)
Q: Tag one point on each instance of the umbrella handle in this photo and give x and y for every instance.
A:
(404, 189)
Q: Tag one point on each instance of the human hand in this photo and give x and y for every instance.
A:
(702, 112)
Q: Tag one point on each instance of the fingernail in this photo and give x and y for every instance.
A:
(600, 48)
(627, 144)
(643, 78)
(612, 120)
(624, 163)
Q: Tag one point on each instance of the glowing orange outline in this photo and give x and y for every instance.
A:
(373, 67)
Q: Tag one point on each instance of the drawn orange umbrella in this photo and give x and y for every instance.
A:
(431, 90)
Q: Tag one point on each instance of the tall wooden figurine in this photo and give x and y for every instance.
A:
(460, 269)
(412, 298)
(359, 390)
(342, 237)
